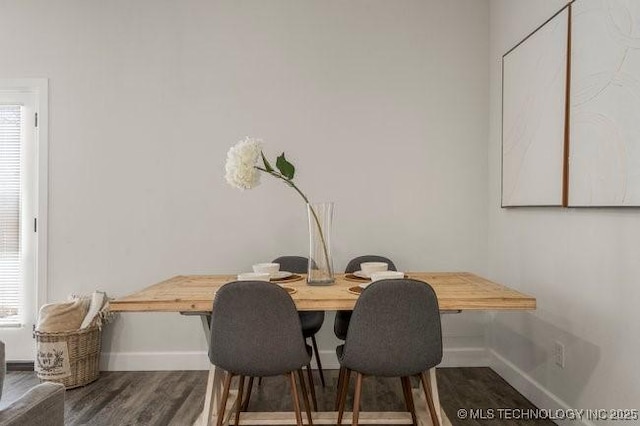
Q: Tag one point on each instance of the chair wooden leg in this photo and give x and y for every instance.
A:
(432, 380)
(427, 392)
(408, 398)
(339, 388)
(305, 396)
(343, 394)
(294, 396)
(239, 401)
(356, 399)
(312, 388)
(317, 354)
(223, 400)
(245, 404)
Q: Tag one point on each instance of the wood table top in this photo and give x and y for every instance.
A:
(195, 293)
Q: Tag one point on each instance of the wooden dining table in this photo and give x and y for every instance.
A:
(194, 295)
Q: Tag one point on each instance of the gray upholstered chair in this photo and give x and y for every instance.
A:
(311, 320)
(341, 323)
(42, 405)
(255, 332)
(394, 332)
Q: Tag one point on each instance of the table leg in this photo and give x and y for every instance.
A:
(214, 382)
(208, 416)
(206, 327)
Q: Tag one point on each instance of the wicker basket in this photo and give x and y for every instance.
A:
(84, 354)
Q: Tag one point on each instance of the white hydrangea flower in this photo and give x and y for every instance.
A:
(240, 170)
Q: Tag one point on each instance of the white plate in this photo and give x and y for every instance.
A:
(361, 274)
(387, 275)
(363, 285)
(281, 275)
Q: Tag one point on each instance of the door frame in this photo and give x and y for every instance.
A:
(40, 88)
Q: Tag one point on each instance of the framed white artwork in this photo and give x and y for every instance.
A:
(534, 116)
(604, 151)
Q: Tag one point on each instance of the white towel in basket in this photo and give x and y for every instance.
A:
(97, 302)
(62, 317)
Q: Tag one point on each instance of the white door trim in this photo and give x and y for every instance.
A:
(39, 87)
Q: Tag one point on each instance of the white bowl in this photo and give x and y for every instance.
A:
(254, 276)
(369, 268)
(268, 268)
(386, 275)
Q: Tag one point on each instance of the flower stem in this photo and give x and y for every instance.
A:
(313, 212)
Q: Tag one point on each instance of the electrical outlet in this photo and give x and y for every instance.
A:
(558, 354)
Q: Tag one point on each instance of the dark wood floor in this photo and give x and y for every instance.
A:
(176, 397)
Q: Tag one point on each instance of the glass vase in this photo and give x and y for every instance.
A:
(320, 270)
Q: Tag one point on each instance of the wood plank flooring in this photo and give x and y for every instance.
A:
(176, 397)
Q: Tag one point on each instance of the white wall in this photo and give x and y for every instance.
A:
(582, 266)
(369, 98)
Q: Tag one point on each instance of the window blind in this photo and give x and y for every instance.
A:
(11, 117)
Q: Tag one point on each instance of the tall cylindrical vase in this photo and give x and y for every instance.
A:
(320, 271)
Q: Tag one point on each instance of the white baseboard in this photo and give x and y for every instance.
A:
(154, 361)
(465, 357)
(198, 360)
(540, 396)
(452, 357)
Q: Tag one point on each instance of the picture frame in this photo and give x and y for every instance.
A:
(604, 154)
(535, 127)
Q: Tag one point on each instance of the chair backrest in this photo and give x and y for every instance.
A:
(354, 264)
(255, 330)
(394, 330)
(295, 264)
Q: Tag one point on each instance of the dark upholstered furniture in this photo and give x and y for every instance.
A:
(341, 324)
(42, 405)
(394, 332)
(311, 320)
(255, 331)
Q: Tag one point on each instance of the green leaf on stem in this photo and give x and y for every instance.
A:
(285, 167)
(267, 166)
